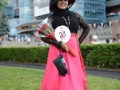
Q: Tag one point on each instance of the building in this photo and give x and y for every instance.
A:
(12, 12)
(112, 10)
(29, 13)
(111, 28)
(113, 15)
(93, 11)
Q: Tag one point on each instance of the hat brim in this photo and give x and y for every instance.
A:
(69, 3)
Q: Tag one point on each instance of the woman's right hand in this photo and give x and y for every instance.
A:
(64, 46)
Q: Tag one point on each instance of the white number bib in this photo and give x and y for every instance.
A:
(62, 33)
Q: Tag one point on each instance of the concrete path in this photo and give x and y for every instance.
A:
(19, 44)
(113, 74)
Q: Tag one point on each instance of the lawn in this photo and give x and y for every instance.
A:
(12, 78)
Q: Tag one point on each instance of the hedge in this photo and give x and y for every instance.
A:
(24, 54)
(100, 55)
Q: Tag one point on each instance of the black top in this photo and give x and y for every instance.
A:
(74, 25)
(75, 22)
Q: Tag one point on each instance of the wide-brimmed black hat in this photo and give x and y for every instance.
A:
(53, 2)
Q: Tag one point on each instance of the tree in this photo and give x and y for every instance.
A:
(3, 3)
(4, 27)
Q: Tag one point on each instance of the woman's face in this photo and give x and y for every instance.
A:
(62, 4)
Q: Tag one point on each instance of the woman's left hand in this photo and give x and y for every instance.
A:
(64, 46)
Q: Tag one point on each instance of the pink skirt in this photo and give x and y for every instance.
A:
(76, 77)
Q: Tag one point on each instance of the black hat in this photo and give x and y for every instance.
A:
(53, 2)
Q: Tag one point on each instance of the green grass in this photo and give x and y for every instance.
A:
(12, 78)
(100, 83)
(20, 78)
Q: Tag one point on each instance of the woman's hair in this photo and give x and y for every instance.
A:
(53, 4)
(107, 40)
(95, 37)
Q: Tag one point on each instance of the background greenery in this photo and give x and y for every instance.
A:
(3, 3)
(24, 54)
(12, 78)
(101, 55)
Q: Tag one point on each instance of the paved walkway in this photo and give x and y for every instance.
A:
(113, 74)
(19, 44)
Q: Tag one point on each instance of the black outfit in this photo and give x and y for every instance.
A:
(75, 21)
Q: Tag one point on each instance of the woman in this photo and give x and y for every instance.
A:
(95, 39)
(76, 77)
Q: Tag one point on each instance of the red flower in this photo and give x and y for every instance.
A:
(44, 27)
